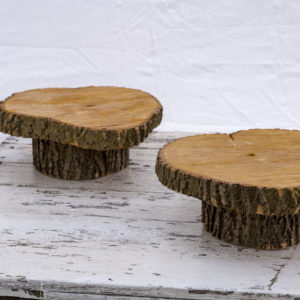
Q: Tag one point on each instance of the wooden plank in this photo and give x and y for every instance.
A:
(109, 239)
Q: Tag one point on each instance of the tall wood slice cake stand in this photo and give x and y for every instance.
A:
(249, 182)
(80, 133)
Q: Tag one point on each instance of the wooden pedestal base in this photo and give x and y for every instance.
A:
(256, 231)
(73, 163)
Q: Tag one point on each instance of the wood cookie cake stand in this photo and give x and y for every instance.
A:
(249, 182)
(80, 133)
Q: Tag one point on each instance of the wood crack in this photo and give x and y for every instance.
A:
(274, 279)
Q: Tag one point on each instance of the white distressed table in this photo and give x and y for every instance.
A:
(124, 236)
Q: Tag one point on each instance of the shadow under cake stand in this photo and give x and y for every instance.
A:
(248, 181)
(80, 133)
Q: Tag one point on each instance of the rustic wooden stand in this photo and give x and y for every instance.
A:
(249, 182)
(80, 133)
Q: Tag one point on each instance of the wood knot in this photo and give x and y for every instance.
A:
(251, 154)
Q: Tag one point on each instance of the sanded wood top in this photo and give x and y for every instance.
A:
(262, 164)
(93, 107)
(105, 110)
(268, 158)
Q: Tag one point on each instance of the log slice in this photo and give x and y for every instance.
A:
(98, 118)
(69, 162)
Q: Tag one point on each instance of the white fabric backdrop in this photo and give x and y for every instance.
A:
(215, 65)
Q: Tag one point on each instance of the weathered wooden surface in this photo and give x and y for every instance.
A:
(123, 236)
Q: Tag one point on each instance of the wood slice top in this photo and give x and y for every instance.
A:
(253, 170)
(114, 117)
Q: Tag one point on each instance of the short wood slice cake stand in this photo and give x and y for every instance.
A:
(80, 133)
(249, 182)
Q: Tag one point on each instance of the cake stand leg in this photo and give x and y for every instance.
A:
(73, 163)
(256, 231)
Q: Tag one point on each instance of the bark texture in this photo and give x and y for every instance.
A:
(83, 137)
(251, 230)
(73, 163)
